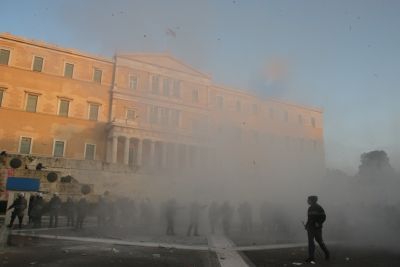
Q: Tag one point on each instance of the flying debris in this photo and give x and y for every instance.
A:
(170, 32)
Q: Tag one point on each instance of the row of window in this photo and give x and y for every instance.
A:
(63, 105)
(219, 100)
(38, 65)
(59, 147)
(168, 87)
(167, 117)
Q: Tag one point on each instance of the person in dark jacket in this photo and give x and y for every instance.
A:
(81, 210)
(70, 209)
(30, 206)
(38, 207)
(54, 208)
(213, 216)
(315, 218)
(19, 205)
(171, 208)
(195, 210)
(227, 215)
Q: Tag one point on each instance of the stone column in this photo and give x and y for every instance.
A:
(164, 155)
(126, 150)
(139, 152)
(114, 149)
(152, 159)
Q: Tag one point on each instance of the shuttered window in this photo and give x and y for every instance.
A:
(133, 81)
(25, 145)
(63, 108)
(155, 85)
(31, 103)
(1, 95)
(59, 147)
(166, 87)
(68, 70)
(4, 56)
(37, 64)
(130, 114)
(195, 96)
(97, 73)
(220, 101)
(90, 150)
(177, 89)
(93, 112)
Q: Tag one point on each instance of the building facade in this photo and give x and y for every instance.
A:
(146, 111)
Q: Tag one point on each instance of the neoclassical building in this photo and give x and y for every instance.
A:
(146, 111)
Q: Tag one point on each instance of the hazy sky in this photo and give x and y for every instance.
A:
(343, 56)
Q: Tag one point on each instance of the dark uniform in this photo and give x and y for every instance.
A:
(19, 205)
(316, 217)
(227, 214)
(81, 210)
(245, 215)
(170, 213)
(54, 208)
(37, 211)
(70, 209)
(213, 215)
(30, 206)
(195, 210)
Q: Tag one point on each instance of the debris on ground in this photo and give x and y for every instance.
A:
(156, 256)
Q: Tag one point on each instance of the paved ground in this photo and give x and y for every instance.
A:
(95, 247)
(59, 253)
(349, 256)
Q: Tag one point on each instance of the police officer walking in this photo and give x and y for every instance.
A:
(19, 205)
(70, 209)
(195, 209)
(316, 217)
(54, 207)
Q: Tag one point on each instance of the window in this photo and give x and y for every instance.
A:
(31, 103)
(153, 114)
(4, 56)
(195, 95)
(238, 106)
(314, 144)
(220, 101)
(166, 87)
(1, 95)
(69, 70)
(133, 82)
(58, 150)
(90, 151)
(300, 119)
(255, 109)
(63, 108)
(177, 89)
(97, 73)
(165, 116)
(130, 114)
(271, 113)
(313, 122)
(94, 111)
(37, 64)
(25, 145)
(285, 116)
(155, 85)
(175, 117)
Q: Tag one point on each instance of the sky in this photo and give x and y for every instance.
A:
(342, 56)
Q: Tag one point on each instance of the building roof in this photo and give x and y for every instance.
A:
(11, 37)
(164, 60)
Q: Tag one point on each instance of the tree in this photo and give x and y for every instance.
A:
(375, 164)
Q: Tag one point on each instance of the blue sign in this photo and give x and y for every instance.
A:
(22, 184)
